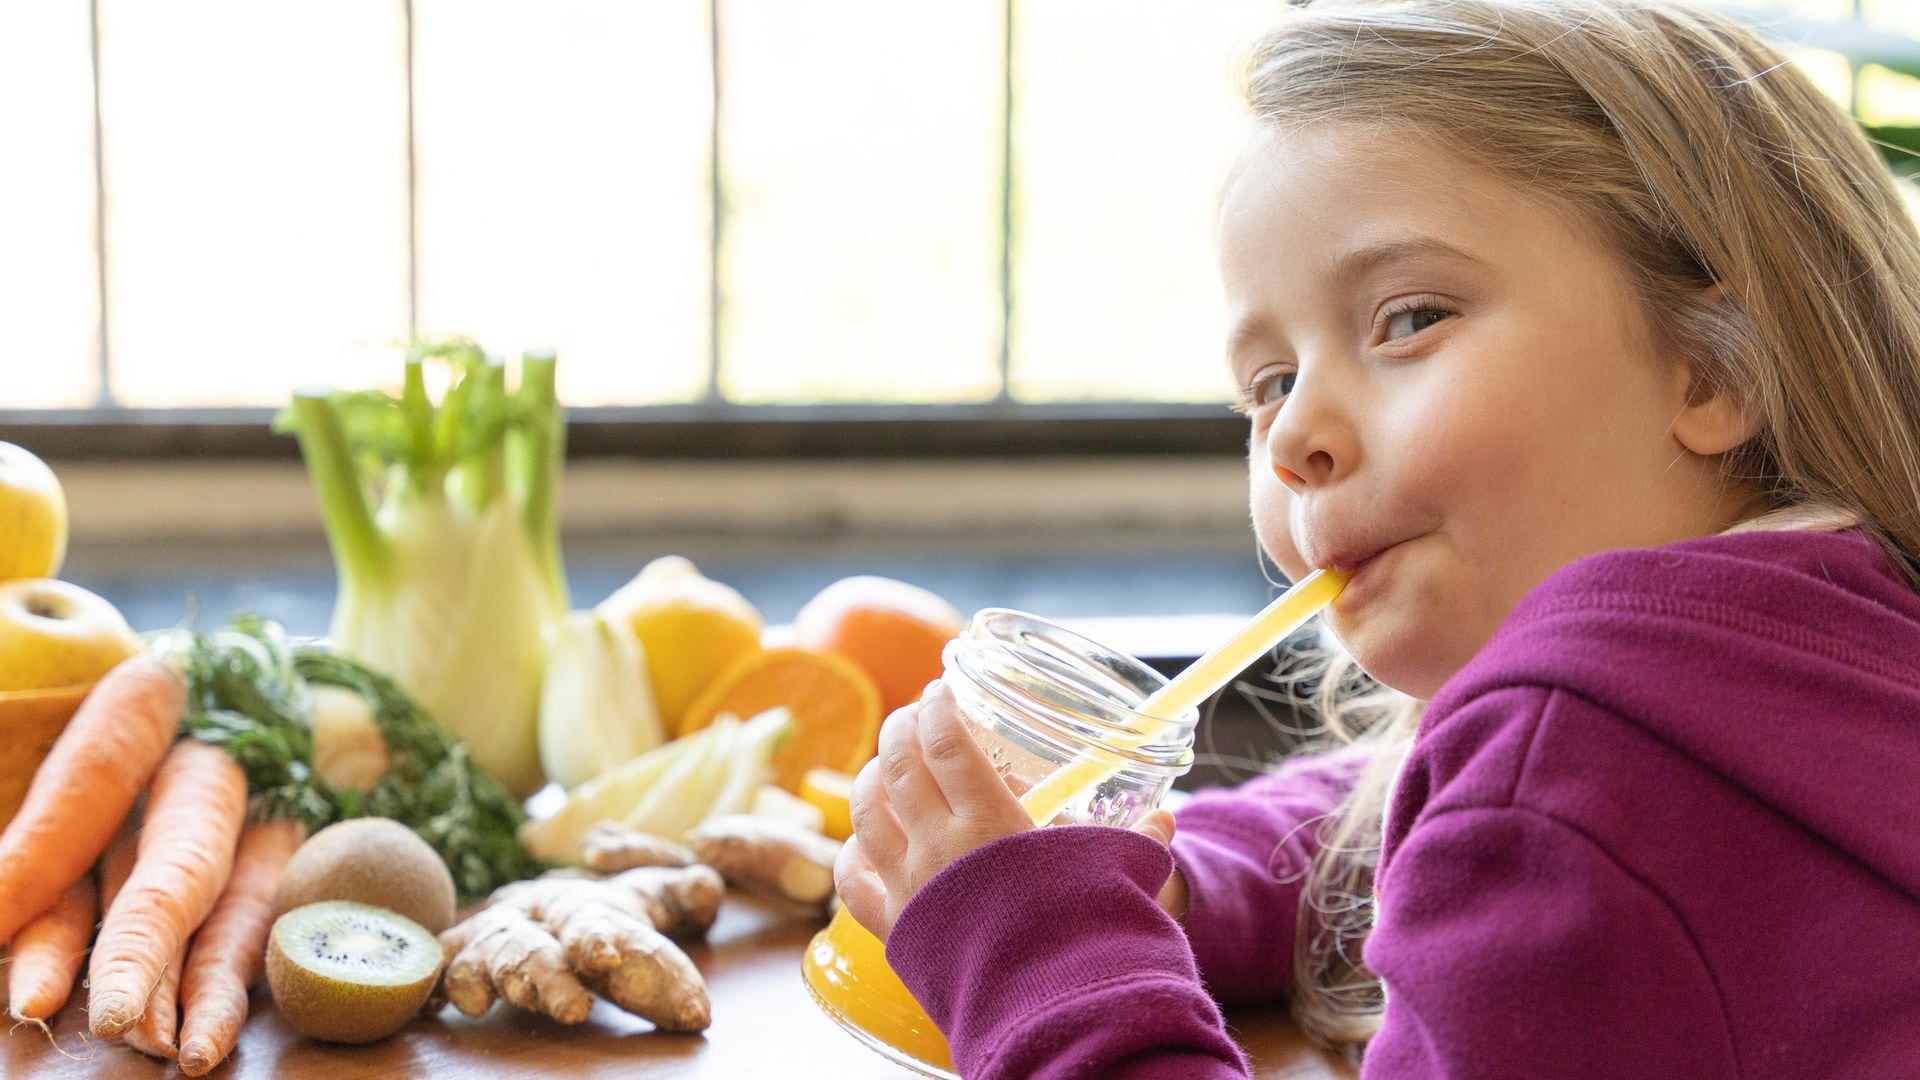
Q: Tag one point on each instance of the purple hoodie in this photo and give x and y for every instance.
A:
(1665, 824)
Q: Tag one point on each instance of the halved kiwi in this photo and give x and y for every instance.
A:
(350, 973)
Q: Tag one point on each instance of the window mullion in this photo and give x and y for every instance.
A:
(413, 192)
(717, 203)
(1006, 210)
(105, 398)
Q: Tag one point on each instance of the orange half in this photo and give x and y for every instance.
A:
(835, 708)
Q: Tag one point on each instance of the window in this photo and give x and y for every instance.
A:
(286, 190)
(713, 205)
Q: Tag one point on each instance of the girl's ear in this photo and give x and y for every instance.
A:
(1712, 421)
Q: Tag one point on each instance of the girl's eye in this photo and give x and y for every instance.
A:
(1414, 319)
(1268, 386)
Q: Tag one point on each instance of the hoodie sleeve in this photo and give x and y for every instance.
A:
(1044, 955)
(1244, 853)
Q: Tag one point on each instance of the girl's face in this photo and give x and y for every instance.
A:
(1452, 388)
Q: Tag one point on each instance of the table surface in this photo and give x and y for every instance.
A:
(764, 1025)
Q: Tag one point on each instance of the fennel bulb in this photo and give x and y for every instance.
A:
(448, 586)
(597, 709)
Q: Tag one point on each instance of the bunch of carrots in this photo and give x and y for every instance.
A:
(185, 889)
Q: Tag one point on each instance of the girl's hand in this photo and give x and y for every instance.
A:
(1159, 826)
(928, 797)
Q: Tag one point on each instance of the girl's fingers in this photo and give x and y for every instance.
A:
(860, 889)
(1159, 824)
(910, 787)
(874, 824)
(968, 780)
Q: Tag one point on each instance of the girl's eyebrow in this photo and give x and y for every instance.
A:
(1359, 261)
(1243, 333)
(1351, 265)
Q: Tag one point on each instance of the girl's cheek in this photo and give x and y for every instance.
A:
(1271, 502)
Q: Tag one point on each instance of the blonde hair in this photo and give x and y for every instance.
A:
(1765, 236)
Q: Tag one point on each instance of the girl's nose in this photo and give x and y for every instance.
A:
(1309, 444)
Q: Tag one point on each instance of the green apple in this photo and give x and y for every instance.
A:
(55, 633)
(33, 516)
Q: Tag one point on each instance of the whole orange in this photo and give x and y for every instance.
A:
(890, 629)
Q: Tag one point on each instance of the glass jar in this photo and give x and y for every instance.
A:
(1037, 696)
(1043, 702)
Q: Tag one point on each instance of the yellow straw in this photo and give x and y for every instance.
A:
(1201, 680)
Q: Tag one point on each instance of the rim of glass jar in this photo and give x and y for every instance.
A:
(1090, 692)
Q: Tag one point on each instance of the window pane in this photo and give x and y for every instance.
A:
(1820, 10)
(862, 162)
(1125, 124)
(1830, 71)
(1888, 97)
(563, 187)
(256, 195)
(49, 297)
(1901, 16)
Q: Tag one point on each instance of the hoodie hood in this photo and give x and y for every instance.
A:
(1787, 663)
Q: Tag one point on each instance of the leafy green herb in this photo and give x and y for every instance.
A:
(249, 695)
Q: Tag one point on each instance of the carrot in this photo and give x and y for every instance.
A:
(226, 954)
(194, 812)
(47, 953)
(154, 1032)
(83, 789)
(116, 863)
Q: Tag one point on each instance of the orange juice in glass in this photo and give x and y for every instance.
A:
(1084, 734)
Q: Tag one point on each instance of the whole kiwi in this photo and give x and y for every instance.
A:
(375, 861)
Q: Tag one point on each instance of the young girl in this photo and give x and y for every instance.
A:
(1588, 334)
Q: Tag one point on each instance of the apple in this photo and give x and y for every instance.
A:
(33, 516)
(55, 633)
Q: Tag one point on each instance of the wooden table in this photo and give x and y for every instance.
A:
(765, 1027)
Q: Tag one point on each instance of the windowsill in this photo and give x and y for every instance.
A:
(720, 430)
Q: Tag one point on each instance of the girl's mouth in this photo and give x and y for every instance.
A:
(1366, 577)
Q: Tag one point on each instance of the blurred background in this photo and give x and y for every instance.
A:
(840, 286)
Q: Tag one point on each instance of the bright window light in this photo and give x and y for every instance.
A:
(563, 187)
(1125, 122)
(861, 147)
(49, 290)
(256, 196)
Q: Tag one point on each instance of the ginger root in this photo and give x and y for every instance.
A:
(500, 953)
(768, 854)
(610, 847)
(543, 944)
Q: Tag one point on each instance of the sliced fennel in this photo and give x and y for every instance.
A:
(669, 789)
(597, 709)
(774, 801)
(608, 797)
(684, 794)
(448, 584)
(750, 764)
